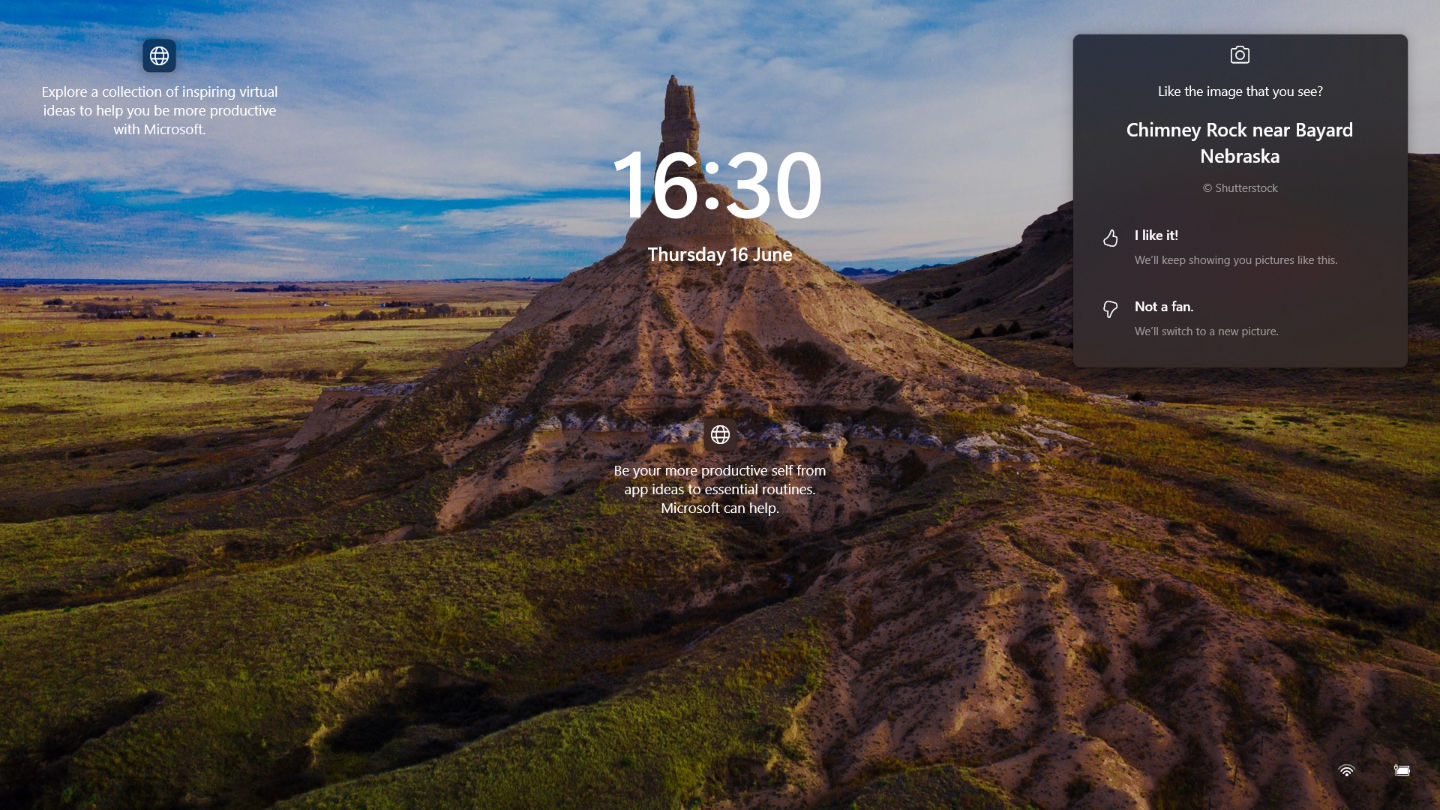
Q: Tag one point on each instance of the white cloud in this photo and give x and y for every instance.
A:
(587, 218)
(937, 125)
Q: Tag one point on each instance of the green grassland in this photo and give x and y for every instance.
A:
(209, 646)
(1405, 452)
(90, 412)
(79, 376)
(1327, 480)
(1425, 300)
(233, 674)
(1352, 491)
(936, 787)
(238, 644)
(717, 719)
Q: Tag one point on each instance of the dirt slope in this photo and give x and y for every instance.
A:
(623, 356)
(1030, 282)
(642, 335)
(1424, 215)
(1082, 672)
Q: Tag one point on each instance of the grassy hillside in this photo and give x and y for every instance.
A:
(231, 688)
(102, 420)
(716, 720)
(1424, 216)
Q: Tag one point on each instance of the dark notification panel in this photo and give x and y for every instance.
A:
(1240, 200)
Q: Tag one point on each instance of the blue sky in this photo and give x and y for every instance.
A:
(478, 139)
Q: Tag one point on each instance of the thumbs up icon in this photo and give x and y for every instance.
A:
(1110, 240)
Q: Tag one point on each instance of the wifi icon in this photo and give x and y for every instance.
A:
(1347, 770)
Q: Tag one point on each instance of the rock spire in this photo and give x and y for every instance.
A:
(705, 226)
(680, 131)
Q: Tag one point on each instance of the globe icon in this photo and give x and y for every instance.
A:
(159, 55)
(719, 434)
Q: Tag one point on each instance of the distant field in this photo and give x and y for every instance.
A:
(86, 404)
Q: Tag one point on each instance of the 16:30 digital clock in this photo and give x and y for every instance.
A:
(664, 184)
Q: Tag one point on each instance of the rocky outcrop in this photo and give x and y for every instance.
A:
(680, 131)
(1084, 673)
(761, 334)
(1028, 283)
(705, 227)
(638, 338)
(335, 411)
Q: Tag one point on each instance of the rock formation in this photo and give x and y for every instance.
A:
(980, 624)
(626, 355)
(762, 336)
(1029, 283)
(680, 131)
(703, 227)
(640, 341)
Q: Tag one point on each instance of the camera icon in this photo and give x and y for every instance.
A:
(1239, 55)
